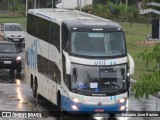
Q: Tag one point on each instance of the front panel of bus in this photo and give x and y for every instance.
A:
(95, 70)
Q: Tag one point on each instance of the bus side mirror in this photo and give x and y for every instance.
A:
(1, 29)
(131, 64)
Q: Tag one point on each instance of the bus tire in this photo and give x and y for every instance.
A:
(38, 98)
(34, 88)
(59, 104)
(112, 115)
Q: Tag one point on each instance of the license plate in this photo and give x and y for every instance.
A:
(15, 39)
(99, 110)
(7, 62)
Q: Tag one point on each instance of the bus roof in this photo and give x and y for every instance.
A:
(72, 17)
(63, 14)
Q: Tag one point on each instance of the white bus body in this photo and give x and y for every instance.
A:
(77, 61)
(73, 3)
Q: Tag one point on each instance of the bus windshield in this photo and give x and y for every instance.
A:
(98, 79)
(98, 43)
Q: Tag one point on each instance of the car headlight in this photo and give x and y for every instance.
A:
(19, 58)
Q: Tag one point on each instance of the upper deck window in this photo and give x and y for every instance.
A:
(98, 43)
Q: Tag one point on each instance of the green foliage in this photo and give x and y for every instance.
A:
(148, 84)
(114, 11)
(18, 10)
(150, 56)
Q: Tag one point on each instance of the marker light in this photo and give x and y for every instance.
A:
(18, 58)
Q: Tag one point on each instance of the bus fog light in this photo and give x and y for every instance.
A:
(122, 108)
(74, 107)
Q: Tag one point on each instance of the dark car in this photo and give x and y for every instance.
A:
(9, 57)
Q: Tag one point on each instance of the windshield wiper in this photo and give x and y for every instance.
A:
(18, 29)
(115, 84)
(11, 28)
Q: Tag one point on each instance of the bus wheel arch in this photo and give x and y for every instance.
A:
(35, 87)
(31, 81)
(112, 115)
(59, 101)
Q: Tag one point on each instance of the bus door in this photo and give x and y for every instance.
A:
(52, 87)
(56, 80)
(52, 84)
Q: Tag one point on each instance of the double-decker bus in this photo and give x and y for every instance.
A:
(77, 61)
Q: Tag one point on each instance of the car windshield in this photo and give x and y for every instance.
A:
(7, 48)
(13, 28)
(98, 43)
(98, 79)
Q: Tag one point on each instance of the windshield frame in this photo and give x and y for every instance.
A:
(13, 28)
(9, 50)
(87, 91)
(104, 31)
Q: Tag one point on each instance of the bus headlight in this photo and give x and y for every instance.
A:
(76, 100)
(122, 100)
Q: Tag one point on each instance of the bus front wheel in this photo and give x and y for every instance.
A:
(59, 104)
(39, 98)
(111, 115)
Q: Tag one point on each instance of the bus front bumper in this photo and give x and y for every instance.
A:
(71, 106)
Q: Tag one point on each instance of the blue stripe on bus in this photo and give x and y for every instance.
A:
(32, 55)
(114, 97)
(110, 97)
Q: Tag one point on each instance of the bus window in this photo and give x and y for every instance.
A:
(65, 37)
(31, 25)
(55, 35)
(80, 42)
(97, 43)
(116, 42)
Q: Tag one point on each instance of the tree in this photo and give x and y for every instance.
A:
(148, 84)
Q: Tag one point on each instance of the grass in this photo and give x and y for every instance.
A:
(21, 20)
(137, 33)
(134, 33)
